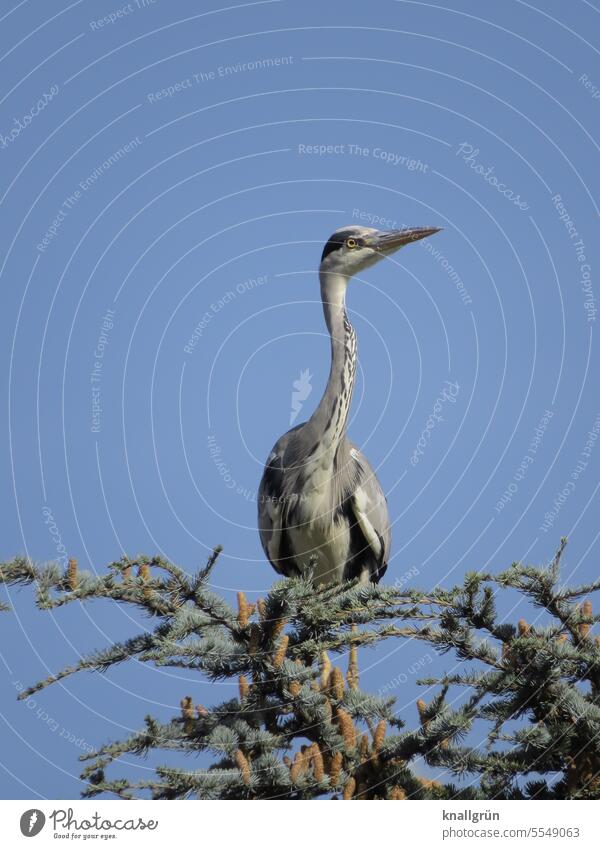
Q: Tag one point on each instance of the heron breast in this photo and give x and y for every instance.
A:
(324, 541)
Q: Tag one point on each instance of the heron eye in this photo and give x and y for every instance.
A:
(351, 243)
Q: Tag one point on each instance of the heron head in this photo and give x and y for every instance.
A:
(352, 249)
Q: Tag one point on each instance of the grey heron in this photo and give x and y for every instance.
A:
(320, 504)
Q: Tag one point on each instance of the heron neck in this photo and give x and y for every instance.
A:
(330, 418)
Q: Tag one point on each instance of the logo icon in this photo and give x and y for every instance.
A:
(32, 822)
(302, 389)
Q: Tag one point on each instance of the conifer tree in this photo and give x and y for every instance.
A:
(301, 727)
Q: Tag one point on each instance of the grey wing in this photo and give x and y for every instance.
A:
(271, 503)
(369, 506)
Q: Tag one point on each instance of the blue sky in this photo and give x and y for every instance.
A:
(167, 179)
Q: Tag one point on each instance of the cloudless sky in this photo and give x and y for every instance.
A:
(169, 172)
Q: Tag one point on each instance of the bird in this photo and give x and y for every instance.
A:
(322, 512)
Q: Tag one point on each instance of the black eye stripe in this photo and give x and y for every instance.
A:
(332, 245)
(338, 240)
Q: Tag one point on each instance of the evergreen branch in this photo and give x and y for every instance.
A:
(301, 728)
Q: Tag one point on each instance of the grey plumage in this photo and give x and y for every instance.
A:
(319, 499)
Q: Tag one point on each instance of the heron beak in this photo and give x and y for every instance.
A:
(390, 241)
